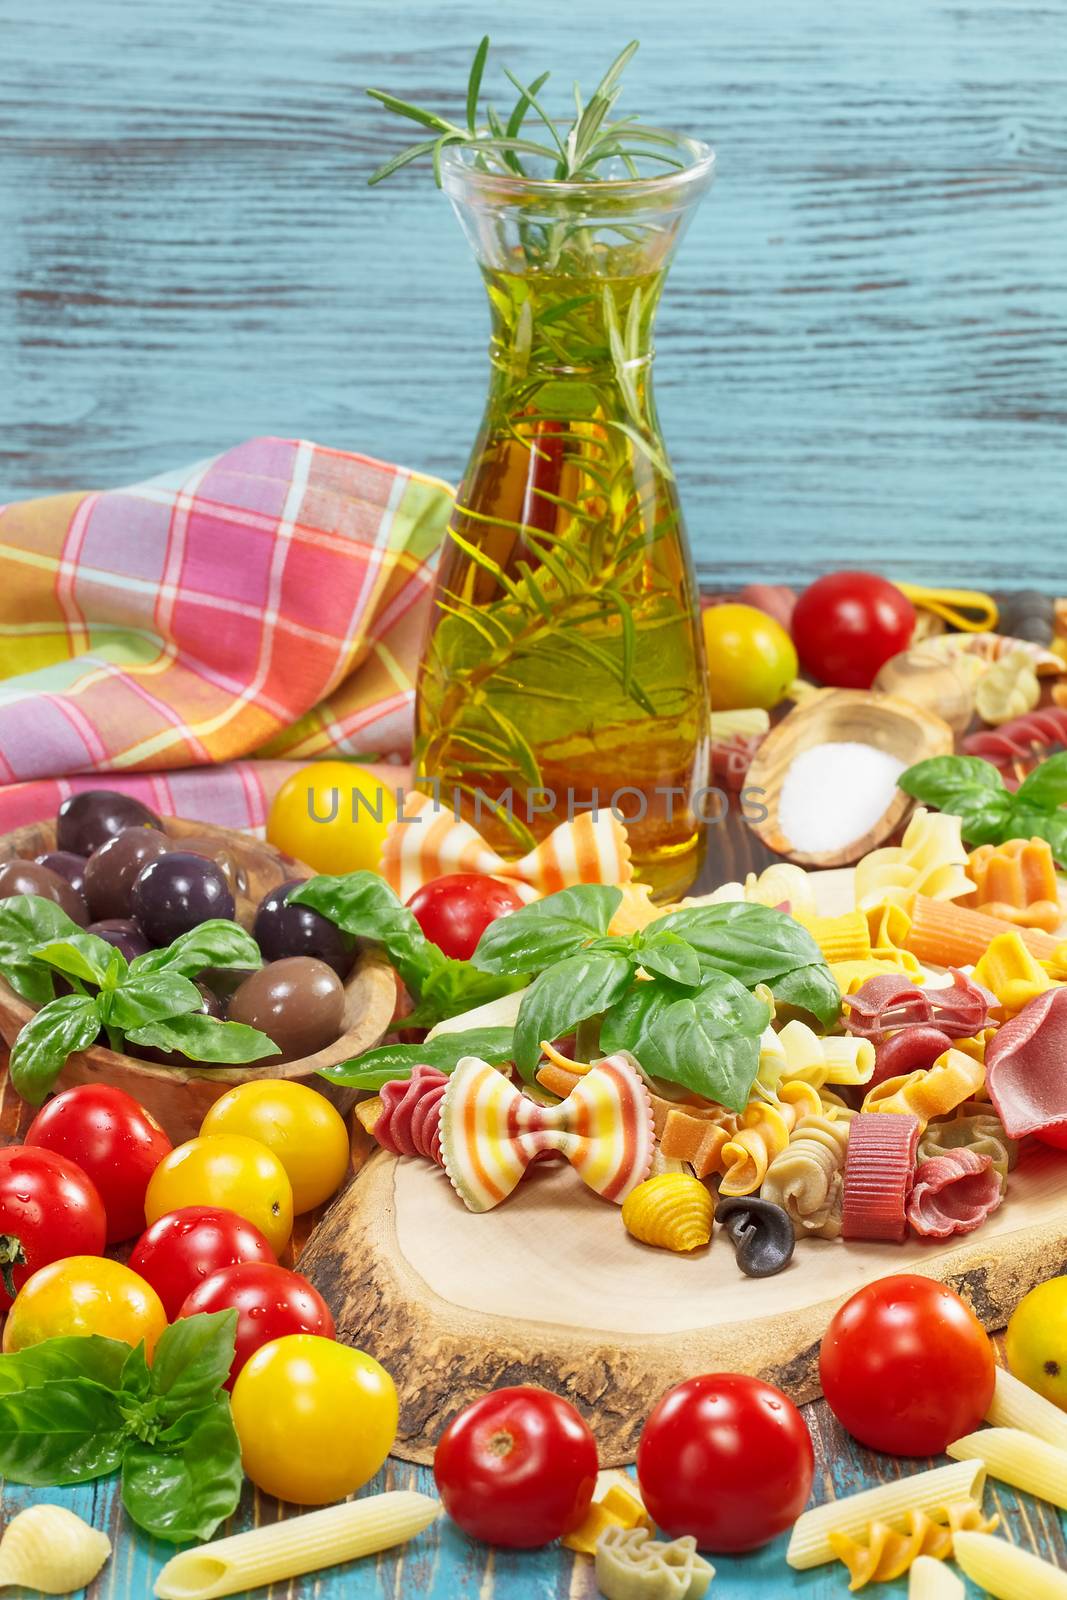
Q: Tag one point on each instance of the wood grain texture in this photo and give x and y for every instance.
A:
(443, 1565)
(862, 346)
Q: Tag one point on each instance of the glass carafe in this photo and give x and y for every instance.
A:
(563, 669)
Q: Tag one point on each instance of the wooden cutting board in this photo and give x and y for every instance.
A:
(549, 1288)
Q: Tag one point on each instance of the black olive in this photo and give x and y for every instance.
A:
(761, 1232)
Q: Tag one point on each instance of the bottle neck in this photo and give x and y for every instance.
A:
(572, 331)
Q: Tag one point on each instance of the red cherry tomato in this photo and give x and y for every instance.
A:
(48, 1209)
(848, 624)
(906, 1366)
(727, 1459)
(1055, 1135)
(113, 1139)
(516, 1468)
(270, 1302)
(184, 1247)
(454, 911)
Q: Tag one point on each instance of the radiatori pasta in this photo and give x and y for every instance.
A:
(281, 1550)
(925, 1492)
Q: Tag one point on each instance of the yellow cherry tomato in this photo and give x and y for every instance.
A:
(227, 1170)
(83, 1295)
(1036, 1341)
(751, 659)
(315, 1419)
(301, 1126)
(333, 815)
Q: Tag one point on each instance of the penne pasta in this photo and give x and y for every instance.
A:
(932, 1580)
(1016, 1405)
(1005, 1571)
(280, 1550)
(1019, 1459)
(925, 1492)
(952, 936)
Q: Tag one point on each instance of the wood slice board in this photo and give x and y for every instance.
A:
(549, 1288)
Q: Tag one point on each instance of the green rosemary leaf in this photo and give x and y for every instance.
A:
(522, 105)
(487, 563)
(428, 119)
(412, 153)
(646, 447)
(474, 83)
(629, 635)
(608, 83)
(530, 94)
(440, 144)
(518, 748)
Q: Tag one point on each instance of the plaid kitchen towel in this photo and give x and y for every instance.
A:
(269, 602)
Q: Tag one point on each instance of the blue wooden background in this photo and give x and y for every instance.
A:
(863, 352)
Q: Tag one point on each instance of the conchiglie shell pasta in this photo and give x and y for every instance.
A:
(51, 1549)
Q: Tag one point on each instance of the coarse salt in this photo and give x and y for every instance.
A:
(833, 793)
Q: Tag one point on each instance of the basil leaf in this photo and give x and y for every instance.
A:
(1050, 825)
(671, 956)
(986, 816)
(184, 1485)
(83, 956)
(709, 1042)
(61, 1432)
(216, 943)
(1046, 787)
(457, 986)
(810, 989)
(568, 993)
(86, 1356)
(193, 1359)
(26, 921)
(391, 1063)
(362, 903)
(30, 981)
(943, 780)
(148, 997)
(629, 1021)
(754, 944)
(135, 1379)
(204, 1038)
(69, 1023)
(549, 930)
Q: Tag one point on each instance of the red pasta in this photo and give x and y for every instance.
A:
(908, 1050)
(1025, 1066)
(731, 759)
(889, 1002)
(953, 1193)
(1022, 739)
(879, 1165)
(410, 1121)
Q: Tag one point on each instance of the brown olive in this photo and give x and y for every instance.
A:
(110, 871)
(298, 1002)
(27, 877)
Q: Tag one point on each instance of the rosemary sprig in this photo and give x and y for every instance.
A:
(577, 151)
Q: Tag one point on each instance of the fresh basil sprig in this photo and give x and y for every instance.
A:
(74, 1409)
(391, 1063)
(989, 813)
(363, 904)
(139, 1002)
(28, 921)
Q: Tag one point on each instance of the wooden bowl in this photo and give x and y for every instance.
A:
(839, 716)
(180, 1097)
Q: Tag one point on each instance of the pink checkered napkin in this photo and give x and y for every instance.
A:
(267, 603)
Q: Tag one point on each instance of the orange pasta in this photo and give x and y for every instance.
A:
(953, 1078)
(1016, 881)
(949, 935)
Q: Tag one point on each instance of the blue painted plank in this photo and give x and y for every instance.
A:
(861, 350)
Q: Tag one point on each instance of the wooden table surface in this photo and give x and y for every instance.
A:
(444, 1565)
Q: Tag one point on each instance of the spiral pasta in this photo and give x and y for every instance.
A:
(883, 1552)
(762, 1133)
(929, 860)
(953, 1078)
(806, 1178)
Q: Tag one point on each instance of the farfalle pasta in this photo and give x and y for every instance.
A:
(806, 1178)
(953, 1078)
(930, 860)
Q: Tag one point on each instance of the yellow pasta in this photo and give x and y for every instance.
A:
(616, 1503)
(883, 1552)
(844, 938)
(1012, 972)
(763, 1131)
(1003, 1570)
(279, 1550)
(1016, 1405)
(932, 1580)
(747, 720)
(51, 1549)
(806, 1178)
(852, 975)
(797, 1053)
(929, 860)
(953, 1078)
(925, 1492)
(672, 1210)
(1019, 1459)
